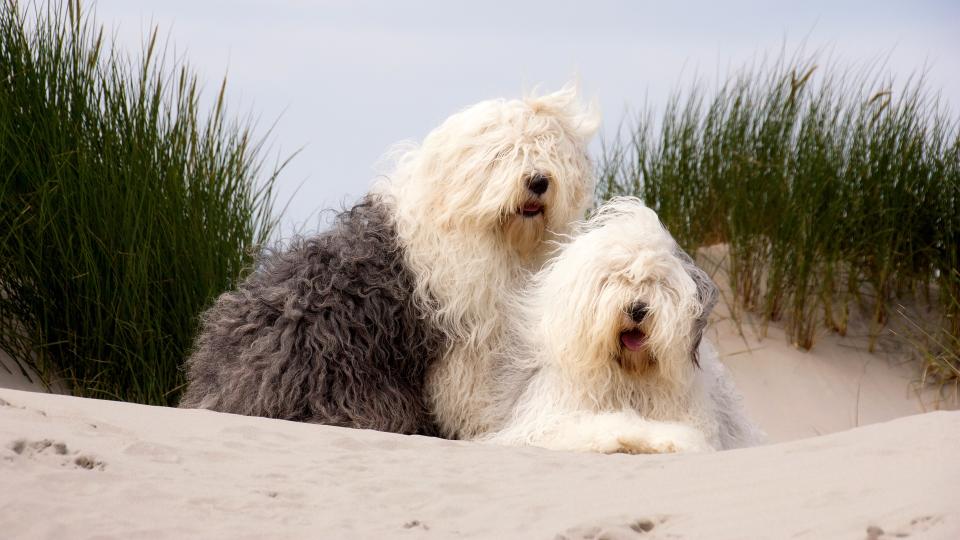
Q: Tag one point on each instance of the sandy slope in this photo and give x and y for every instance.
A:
(80, 468)
(837, 385)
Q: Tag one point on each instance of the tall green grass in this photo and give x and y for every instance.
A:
(833, 189)
(124, 208)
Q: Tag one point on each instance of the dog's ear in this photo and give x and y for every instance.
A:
(707, 295)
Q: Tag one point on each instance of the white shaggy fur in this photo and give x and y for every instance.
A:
(574, 384)
(458, 201)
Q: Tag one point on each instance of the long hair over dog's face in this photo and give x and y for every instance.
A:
(476, 204)
(508, 172)
(623, 300)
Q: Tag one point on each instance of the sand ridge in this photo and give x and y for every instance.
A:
(168, 473)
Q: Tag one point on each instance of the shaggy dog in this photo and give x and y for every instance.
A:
(344, 327)
(611, 354)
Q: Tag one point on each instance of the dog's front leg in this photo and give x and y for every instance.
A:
(624, 432)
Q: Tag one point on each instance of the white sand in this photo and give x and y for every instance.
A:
(836, 386)
(81, 468)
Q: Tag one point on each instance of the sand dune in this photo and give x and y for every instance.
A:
(794, 394)
(81, 468)
(837, 385)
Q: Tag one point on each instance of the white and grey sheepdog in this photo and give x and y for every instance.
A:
(378, 322)
(609, 352)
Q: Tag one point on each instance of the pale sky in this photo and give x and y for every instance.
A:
(344, 80)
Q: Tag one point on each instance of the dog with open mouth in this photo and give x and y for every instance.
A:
(389, 319)
(486, 219)
(610, 355)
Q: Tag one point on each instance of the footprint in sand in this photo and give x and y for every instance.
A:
(916, 525)
(5, 403)
(89, 463)
(53, 452)
(158, 453)
(29, 449)
(416, 524)
(614, 530)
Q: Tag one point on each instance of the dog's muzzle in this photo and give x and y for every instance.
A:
(634, 339)
(537, 185)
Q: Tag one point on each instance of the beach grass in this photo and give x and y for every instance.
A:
(835, 189)
(126, 206)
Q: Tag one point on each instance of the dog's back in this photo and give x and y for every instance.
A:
(324, 331)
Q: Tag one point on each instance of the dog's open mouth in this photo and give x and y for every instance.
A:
(633, 339)
(531, 209)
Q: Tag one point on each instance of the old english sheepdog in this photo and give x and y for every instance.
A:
(345, 327)
(611, 356)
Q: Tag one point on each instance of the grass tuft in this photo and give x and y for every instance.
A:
(834, 189)
(124, 208)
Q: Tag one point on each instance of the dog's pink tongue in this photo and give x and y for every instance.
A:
(633, 339)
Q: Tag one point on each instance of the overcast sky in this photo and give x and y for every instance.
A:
(343, 80)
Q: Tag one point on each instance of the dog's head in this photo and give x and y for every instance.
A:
(514, 170)
(623, 295)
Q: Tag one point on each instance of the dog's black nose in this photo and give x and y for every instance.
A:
(538, 184)
(638, 312)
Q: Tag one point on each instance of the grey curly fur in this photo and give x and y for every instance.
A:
(707, 293)
(325, 331)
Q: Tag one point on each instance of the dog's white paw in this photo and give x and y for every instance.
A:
(663, 438)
